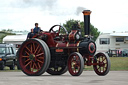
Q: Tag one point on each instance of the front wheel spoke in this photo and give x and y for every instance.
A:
(36, 49)
(33, 46)
(27, 53)
(35, 66)
(104, 59)
(72, 60)
(25, 56)
(98, 60)
(77, 58)
(77, 65)
(100, 69)
(41, 57)
(105, 63)
(39, 65)
(31, 49)
(27, 60)
(40, 61)
(39, 54)
(28, 63)
(75, 70)
(28, 49)
(103, 69)
(78, 62)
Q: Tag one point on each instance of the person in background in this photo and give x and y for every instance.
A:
(79, 28)
(37, 29)
(30, 34)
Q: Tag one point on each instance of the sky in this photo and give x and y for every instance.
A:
(107, 15)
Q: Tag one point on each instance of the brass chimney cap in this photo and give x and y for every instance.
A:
(86, 12)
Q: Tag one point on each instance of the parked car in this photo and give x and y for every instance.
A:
(125, 53)
(7, 56)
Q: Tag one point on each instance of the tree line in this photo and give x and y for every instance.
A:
(93, 30)
(68, 25)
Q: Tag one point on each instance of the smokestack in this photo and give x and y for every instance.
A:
(87, 22)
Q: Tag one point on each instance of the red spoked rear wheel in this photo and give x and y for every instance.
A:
(34, 57)
(103, 64)
(75, 64)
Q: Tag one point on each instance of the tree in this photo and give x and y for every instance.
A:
(93, 31)
(8, 30)
(4, 33)
(3, 30)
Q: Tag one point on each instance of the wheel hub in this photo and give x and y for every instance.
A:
(101, 64)
(31, 56)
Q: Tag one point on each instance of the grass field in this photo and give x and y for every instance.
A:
(117, 64)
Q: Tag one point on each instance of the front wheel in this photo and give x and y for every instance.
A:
(101, 64)
(75, 64)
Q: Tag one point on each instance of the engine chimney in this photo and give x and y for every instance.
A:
(87, 22)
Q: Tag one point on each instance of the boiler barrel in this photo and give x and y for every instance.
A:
(87, 47)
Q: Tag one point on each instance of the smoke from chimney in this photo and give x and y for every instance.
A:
(34, 3)
(51, 6)
(79, 10)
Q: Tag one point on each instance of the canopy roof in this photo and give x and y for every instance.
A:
(15, 38)
(119, 34)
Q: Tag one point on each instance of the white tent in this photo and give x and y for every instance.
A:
(17, 40)
(119, 34)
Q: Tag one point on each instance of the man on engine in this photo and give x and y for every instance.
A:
(36, 29)
(30, 34)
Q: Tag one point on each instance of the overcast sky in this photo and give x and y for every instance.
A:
(107, 15)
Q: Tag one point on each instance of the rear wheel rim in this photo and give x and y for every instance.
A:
(32, 57)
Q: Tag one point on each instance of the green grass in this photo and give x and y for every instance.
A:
(7, 69)
(117, 64)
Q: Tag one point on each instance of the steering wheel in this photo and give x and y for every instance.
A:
(58, 31)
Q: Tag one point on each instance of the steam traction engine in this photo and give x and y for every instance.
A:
(55, 52)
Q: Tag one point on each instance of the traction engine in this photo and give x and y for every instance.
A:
(58, 51)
